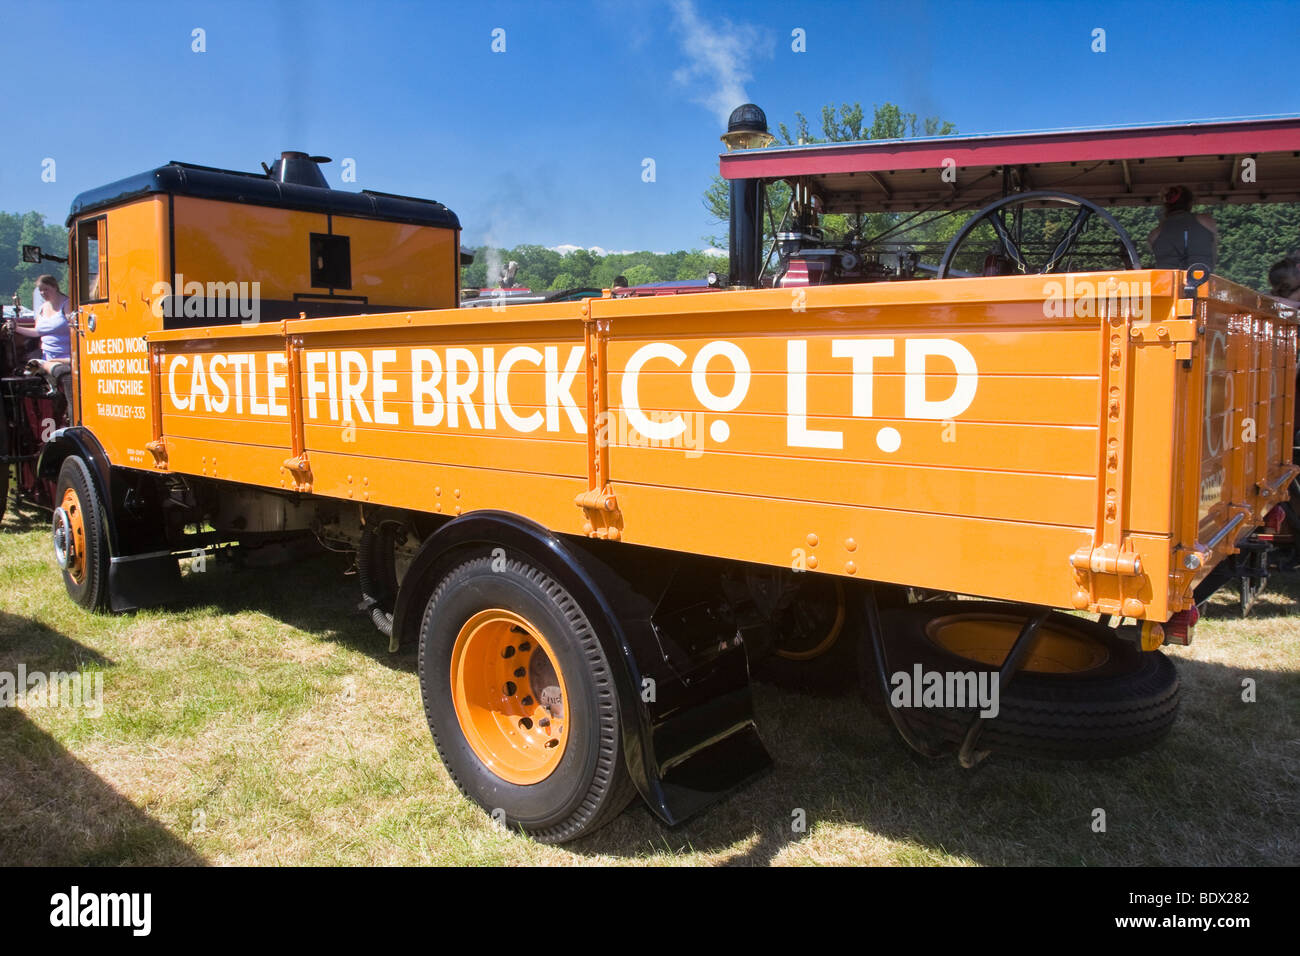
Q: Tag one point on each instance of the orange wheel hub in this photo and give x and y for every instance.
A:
(70, 523)
(509, 696)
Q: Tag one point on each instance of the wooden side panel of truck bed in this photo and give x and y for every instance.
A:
(1068, 441)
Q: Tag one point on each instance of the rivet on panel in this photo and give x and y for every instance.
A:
(457, 492)
(850, 545)
(851, 567)
(812, 540)
(812, 560)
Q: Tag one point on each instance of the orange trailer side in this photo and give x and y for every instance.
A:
(955, 436)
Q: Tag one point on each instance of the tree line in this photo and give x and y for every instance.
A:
(542, 269)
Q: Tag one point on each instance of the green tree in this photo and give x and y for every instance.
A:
(30, 228)
(1252, 236)
(641, 274)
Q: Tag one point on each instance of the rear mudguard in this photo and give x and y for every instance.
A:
(684, 696)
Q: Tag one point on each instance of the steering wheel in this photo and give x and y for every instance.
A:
(1017, 255)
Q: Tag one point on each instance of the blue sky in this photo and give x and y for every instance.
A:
(544, 142)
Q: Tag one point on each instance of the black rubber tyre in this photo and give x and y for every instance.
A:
(87, 586)
(589, 785)
(1121, 706)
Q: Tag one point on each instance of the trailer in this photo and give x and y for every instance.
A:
(595, 518)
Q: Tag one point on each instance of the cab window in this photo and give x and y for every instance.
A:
(92, 256)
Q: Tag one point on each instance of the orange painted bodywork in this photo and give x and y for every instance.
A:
(1095, 460)
(111, 358)
(1096, 442)
(393, 264)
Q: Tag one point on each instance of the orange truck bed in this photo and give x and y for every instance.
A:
(1085, 441)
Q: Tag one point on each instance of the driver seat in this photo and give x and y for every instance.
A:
(58, 378)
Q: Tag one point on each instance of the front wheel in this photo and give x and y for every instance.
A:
(80, 536)
(521, 700)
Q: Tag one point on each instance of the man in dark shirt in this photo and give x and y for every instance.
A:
(1184, 238)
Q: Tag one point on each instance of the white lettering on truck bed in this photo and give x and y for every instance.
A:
(470, 389)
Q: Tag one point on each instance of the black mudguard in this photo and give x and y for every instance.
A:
(685, 703)
(76, 440)
(142, 571)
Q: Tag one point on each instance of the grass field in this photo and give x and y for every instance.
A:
(264, 722)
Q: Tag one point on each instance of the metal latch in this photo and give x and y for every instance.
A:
(600, 507)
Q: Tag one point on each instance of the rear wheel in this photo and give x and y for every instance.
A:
(521, 701)
(815, 639)
(80, 536)
(1082, 692)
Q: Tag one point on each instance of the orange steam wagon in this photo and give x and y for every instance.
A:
(595, 517)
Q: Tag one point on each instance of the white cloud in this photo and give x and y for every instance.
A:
(565, 248)
(719, 52)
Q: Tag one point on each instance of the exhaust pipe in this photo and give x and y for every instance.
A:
(297, 168)
(746, 129)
